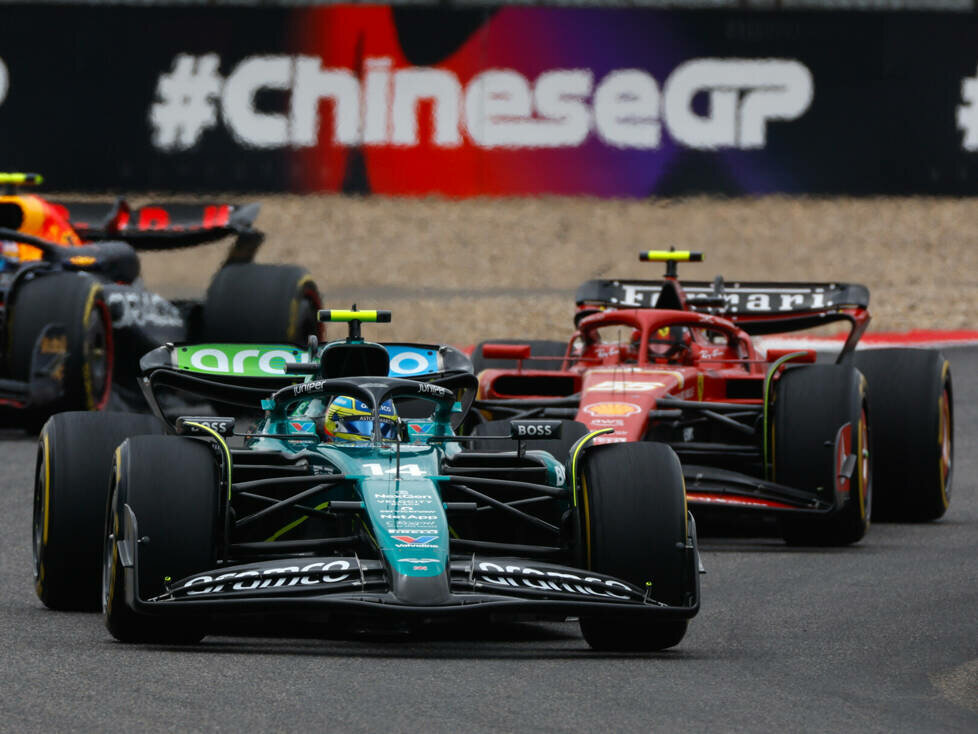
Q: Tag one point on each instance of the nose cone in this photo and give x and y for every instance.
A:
(421, 590)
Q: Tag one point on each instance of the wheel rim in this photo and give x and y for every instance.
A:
(944, 441)
(307, 314)
(109, 552)
(97, 356)
(865, 475)
(38, 539)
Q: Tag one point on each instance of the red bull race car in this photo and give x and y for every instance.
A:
(816, 444)
(75, 317)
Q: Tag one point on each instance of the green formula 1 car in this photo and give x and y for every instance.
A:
(352, 497)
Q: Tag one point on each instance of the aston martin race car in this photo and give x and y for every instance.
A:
(353, 498)
(75, 317)
(817, 445)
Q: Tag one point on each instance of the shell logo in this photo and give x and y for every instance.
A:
(617, 409)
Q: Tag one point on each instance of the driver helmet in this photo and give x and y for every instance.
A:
(667, 341)
(348, 419)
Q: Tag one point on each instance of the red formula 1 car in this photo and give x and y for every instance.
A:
(814, 444)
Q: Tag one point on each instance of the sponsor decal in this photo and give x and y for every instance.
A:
(191, 424)
(549, 580)
(415, 539)
(139, 308)
(309, 575)
(234, 359)
(408, 362)
(304, 388)
(624, 386)
(781, 299)
(421, 429)
(428, 389)
(535, 429)
(495, 108)
(410, 470)
(607, 422)
(609, 439)
(54, 344)
(615, 409)
(303, 426)
(561, 474)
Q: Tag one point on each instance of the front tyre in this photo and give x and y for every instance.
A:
(171, 484)
(76, 302)
(820, 428)
(74, 461)
(636, 528)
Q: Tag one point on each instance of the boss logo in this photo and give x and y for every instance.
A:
(191, 425)
(535, 429)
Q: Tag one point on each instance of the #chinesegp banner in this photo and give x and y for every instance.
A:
(490, 101)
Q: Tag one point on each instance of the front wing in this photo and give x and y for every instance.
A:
(361, 587)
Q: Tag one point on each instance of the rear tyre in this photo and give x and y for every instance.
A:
(570, 432)
(75, 301)
(171, 485)
(912, 442)
(74, 462)
(820, 419)
(538, 348)
(261, 304)
(635, 529)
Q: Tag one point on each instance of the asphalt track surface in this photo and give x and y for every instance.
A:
(880, 637)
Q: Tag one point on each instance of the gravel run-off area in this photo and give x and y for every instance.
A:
(461, 271)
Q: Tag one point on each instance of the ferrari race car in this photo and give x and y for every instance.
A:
(75, 317)
(353, 498)
(817, 445)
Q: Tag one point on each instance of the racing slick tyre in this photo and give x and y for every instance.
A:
(538, 348)
(74, 462)
(819, 422)
(570, 432)
(171, 485)
(912, 442)
(274, 304)
(635, 529)
(74, 301)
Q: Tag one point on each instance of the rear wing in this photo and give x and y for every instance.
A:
(166, 226)
(757, 307)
